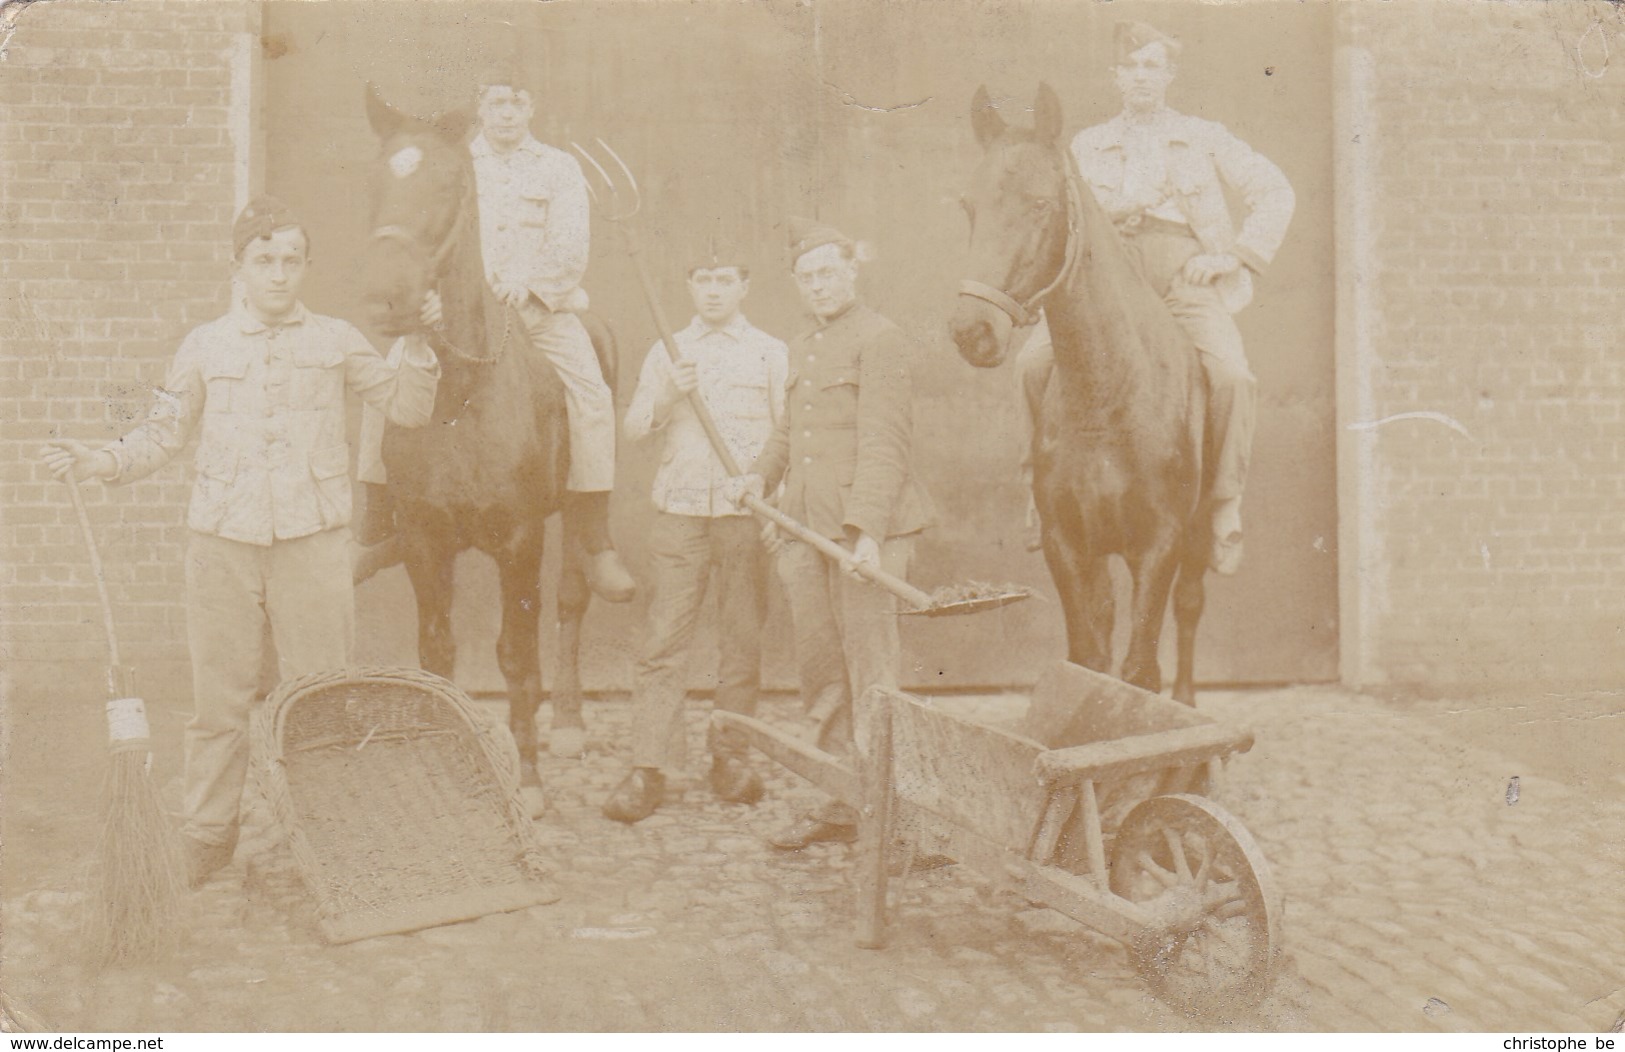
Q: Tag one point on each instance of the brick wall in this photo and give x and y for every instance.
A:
(121, 162)
(1481, 212)
(1480, 205)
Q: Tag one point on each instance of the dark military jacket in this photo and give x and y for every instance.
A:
(844, 445)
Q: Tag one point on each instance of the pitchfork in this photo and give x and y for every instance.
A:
(619, 209)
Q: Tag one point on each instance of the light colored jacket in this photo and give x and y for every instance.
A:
(535, 218)
(267, 405)
(1201, 158)
(742, 372)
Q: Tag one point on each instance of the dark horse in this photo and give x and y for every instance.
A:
(1118, 447)
(489, 469)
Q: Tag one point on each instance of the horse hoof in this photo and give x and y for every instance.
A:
(533, 799)
(567, 743)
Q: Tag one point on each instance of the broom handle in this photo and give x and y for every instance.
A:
(114, 665)
(874, 575)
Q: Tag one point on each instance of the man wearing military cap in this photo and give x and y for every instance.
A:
(844, 453)
(535, 228)
(263, 390)
(1162, 177)
(739, 371)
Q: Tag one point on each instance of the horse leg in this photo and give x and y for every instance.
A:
(1084, 582)
(1153, 573)
(519, 564)
(574, 596)
(1190, 595)
(429, 549)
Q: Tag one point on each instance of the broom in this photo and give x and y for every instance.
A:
(133, 909)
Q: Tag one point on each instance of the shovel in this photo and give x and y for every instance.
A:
(947, 602)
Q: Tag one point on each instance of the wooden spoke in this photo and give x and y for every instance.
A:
(1213, 949)
(1176, 848)
(1146, 863)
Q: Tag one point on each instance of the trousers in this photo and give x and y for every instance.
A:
(685, 551)
(1161, 256)
(847, 641)
(588, 402)
(299, 588)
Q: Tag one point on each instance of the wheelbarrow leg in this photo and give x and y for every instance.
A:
(874, 826)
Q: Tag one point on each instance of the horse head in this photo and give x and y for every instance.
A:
(422, 209)
(1019, 215)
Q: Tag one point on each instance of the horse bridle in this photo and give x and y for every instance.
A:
(437, 260)
(1023, 314)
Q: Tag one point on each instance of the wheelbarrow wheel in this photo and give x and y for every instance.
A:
(1196, 870)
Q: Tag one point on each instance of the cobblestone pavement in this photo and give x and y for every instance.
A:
(1417, 898)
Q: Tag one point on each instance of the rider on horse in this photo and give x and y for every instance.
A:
(534, 233)
(1161, 176)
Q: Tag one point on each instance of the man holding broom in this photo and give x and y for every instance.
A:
(263, 388)
(844, 454)
(739, 371)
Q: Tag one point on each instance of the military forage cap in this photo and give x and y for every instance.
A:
(260, 218)
(717, 252)
(808, 234)
(500, 75)
(1132, 36)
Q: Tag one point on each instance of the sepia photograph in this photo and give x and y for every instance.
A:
(631, 516)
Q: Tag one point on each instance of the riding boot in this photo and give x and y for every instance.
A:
(606, 574)
(377, 516)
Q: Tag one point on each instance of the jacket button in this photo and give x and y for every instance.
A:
(808, 407)
(806, 460)
(806, 434)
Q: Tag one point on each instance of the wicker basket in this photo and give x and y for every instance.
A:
(400, 802)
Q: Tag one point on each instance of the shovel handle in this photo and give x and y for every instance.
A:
(896, 585)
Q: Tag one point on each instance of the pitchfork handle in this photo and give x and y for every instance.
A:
(895, 585)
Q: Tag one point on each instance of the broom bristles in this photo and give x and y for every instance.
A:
(134, 903)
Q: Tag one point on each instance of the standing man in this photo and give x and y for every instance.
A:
(844, 453)
(739, 371)
(263, 388)
(534, 233)
(1161, 176)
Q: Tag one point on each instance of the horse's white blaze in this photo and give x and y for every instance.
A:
(405, 162)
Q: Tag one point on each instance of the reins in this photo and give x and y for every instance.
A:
(1026, 313)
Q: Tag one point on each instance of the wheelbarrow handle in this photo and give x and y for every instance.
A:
(896, 585)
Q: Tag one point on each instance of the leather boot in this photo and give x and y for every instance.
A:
(203, 860)
(637, 797)
(607, 576)
(733, 780)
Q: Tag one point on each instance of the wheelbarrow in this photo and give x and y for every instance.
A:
(1092, 804)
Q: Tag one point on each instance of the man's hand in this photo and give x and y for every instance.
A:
(737, 487)
(685, 377)
(1206, 269)
(577, 302)
(511, 294)
(865, 552)
(429, 314)
(772, 539)
(66, 455)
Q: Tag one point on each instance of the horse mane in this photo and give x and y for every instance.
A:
(471, 311)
